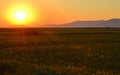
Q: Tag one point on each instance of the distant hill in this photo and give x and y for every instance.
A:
(99, 23)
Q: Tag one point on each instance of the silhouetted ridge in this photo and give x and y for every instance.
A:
(98, 23)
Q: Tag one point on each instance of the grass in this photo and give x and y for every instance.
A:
(58, 51)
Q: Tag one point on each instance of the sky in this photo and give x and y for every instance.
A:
(62, 11)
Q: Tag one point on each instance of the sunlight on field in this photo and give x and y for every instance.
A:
(60, 51)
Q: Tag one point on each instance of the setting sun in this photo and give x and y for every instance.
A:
(20, 15)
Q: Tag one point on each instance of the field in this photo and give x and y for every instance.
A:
(60, 51)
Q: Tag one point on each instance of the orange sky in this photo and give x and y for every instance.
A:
(63, 11)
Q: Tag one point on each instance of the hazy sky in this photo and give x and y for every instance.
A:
(61, 11)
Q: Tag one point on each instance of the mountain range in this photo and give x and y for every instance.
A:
(98, 23)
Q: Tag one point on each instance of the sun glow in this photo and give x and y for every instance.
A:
(20, 14)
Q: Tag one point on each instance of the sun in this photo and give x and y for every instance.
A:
(20, 15)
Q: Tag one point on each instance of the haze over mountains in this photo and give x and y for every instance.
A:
(98, 23)
(115, 23)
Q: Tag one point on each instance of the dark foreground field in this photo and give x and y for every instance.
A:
(60, 51)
